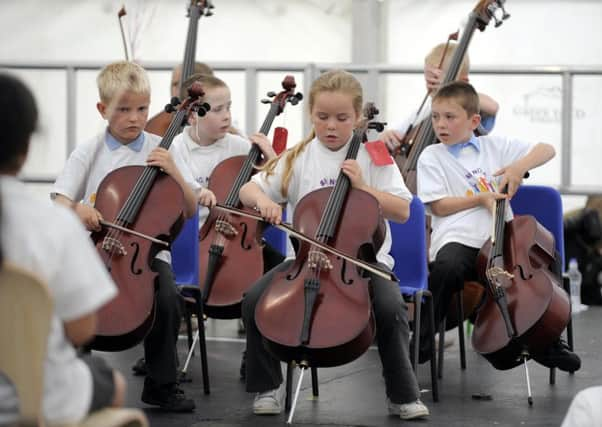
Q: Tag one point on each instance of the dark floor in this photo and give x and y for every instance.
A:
(353, 395)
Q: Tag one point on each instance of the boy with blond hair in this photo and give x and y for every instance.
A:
(124, 92)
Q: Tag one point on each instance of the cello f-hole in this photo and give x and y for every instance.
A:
(296, 273)
(343, 272)
(133, 269)
(245, 246)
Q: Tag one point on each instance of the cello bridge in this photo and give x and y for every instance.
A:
(225, 228)
(498, 274)
(111, 244)
(319, 260)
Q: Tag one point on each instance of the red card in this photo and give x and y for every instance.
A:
(279, 139)
(379, 153)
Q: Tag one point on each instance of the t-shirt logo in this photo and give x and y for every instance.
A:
(480, 181)
(328, 182)
(203, 180)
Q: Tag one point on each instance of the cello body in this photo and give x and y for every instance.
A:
(242, 255)
(159, 123)
(125, 320)
(538, 306)
(342, 325)
(230, 246)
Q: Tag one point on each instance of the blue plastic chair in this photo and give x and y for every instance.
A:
(276, 237)
(409, 251)
(545, 204)
(185, 264)
(185, 254)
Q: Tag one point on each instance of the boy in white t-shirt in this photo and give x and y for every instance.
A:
(124, 92)
(49, 241)
(459, 181)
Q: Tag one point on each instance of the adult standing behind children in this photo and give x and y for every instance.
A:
(433, 76)
(124, 99)
(178, 89)
(335, 105)
(49, 241)
(459, 181)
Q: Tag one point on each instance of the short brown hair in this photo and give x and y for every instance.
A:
(461, 92)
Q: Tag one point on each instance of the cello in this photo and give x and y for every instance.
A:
(231, 251)
(525, 309)
(418, 138)
(160, 122)
(147, 207)
(300, 312)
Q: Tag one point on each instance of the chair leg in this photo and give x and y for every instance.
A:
(441, 347)
(187, 315)
(314, 382)
(417, 330)
(460, 302)
(569, 327)
(431, 314)
(202, 342)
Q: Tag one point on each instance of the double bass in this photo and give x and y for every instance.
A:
(143, 211)
(417, 138)
(231, 250)
(318, 312)
(525, 309)
(159, 123)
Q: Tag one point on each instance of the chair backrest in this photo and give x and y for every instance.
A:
(185, 253)
(545, 204)
(409, 249)
(275, 237)
(25, 318)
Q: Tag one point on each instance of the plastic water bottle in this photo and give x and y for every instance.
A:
(575, 281)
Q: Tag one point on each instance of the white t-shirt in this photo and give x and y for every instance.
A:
(91, 161)
(50, 241)
(441, 174)
(317, 167)
(201, 160)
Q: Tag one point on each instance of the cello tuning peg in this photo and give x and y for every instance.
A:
(169, 108)
(175, 101)
(203, 109)
(208, 13)
(266, 101)
(271, 94)
(299, 96)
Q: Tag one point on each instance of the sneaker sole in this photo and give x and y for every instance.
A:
(417, 414)
(261, 411)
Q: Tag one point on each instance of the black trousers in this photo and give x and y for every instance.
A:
(455, 263)
(392, 334)
(160, 343)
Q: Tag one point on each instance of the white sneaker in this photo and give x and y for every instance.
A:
(408, 411)
(269, 402)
